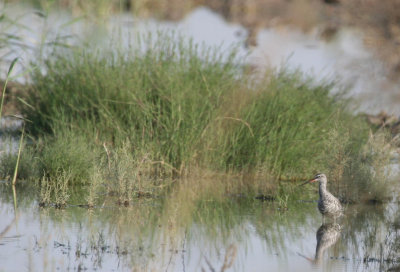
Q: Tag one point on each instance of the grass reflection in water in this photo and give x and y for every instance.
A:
(181, 231)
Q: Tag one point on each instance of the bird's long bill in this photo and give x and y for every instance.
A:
(308, 181)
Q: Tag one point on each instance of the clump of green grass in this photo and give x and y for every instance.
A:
(283, 127)
(66, 152)
(161, 100)
(123, 174)
(130, 174)
(54, 191)
(94, 187)
(169, 108)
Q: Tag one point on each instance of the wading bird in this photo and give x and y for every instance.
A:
(328, 205)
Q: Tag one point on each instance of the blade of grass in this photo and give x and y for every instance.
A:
(14, 181)
(3, 94)
(15, 199)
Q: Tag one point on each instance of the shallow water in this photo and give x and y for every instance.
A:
(243, 235)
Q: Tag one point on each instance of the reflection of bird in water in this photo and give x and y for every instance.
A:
(327, 236)
(328, 205)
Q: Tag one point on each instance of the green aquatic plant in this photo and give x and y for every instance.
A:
(66, 151)
(287, 120)
(55, 191)
(169, 109)
(94, 186)
(17, 163)
(21, 142)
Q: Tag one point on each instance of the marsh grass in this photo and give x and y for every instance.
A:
(66, 151)
(167, 110)
(367, 175)
(338, 157)
(6, 168)
(54, 191)
(123, 174)
(94, 188)
(283, 126)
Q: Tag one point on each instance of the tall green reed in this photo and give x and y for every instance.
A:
(3, 94)
(160, 100)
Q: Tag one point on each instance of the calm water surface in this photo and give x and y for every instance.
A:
(161, 235)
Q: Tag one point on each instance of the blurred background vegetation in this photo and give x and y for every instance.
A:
(378, 20)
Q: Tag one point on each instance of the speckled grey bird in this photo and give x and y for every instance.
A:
(328, 205)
